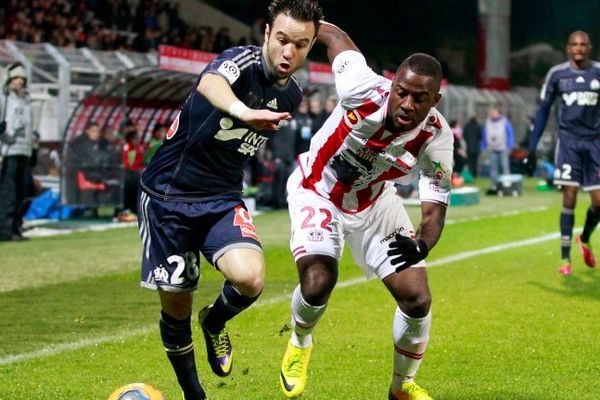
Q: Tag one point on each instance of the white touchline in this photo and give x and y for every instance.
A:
(56, 349)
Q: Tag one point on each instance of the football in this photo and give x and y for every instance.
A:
(136, 391)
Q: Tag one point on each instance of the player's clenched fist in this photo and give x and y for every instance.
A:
(409, 251)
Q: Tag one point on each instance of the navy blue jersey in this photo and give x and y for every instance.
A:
(577, 92)
(205, 150)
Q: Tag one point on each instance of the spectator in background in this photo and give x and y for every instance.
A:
(304, 127)
(257, 31)
(91, 165)
(315, 109)
(460, 151)
(133, 164)
(283, 146)
(497, 139)
(472, 136)
(158, 135)
(222, 40)
(16, 147)
(321, 117)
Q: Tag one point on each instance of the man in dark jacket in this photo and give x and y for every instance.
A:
(472, 135)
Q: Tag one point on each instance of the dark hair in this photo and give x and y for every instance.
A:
(301, 10)
(424, 64)
(92, 123)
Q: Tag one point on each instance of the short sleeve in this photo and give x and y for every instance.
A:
(354, 80)
(436, 168)
(231, 64)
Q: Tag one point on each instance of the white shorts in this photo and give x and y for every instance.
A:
(319, 227)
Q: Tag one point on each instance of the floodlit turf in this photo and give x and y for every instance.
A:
(75, 325)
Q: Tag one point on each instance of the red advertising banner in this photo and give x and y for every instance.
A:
(320, 73)
(183, 60)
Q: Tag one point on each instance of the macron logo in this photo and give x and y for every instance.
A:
(272, 104)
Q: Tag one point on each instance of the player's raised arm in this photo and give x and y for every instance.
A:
(217, 91)
(335, 39)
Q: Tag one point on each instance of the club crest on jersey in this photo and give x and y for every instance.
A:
(161, 274)
(173, 127)
(441, 181)
(594, 84)
(316, 235)
(352, 118)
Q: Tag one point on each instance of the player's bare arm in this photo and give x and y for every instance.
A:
(217, 91)
(432, 222)
(335, 39)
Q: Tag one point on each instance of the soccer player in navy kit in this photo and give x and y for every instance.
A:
(576, 84)
(191, 193)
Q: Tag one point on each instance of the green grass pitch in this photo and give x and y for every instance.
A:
(74, 323)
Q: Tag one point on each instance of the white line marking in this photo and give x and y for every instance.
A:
(57, 349)
(498, 215)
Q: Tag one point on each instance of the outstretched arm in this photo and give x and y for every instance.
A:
(217, 91)
(335, 39)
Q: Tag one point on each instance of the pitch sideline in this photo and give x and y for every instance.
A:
(57, 349)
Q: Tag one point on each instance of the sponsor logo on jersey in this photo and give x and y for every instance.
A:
(231, 134)
(392, 235)
(272, 104)
(229, 70)
(580, 98)
(251, 141)
(226, 123)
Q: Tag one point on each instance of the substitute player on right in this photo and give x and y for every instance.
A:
(381, 132)
(576, 84)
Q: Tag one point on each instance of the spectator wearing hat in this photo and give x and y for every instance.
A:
(16, 148)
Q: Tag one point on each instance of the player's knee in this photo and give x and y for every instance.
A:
(176, 304)
(416, 305)
(251, 285)
(317, 285)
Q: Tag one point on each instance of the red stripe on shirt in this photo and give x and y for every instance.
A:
(333, 143)
(414, 146)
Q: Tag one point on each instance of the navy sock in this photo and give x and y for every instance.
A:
(229, 304)
(567, 220)
(177, 338)
(591, 220)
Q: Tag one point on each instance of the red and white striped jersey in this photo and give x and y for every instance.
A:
(353, 158)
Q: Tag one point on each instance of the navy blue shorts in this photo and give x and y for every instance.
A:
(175, 233)
(578, 162)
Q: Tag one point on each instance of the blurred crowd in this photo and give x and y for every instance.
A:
(108, 25)
(271, 166)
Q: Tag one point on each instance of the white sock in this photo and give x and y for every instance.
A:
(410, 341)
(304, 319)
